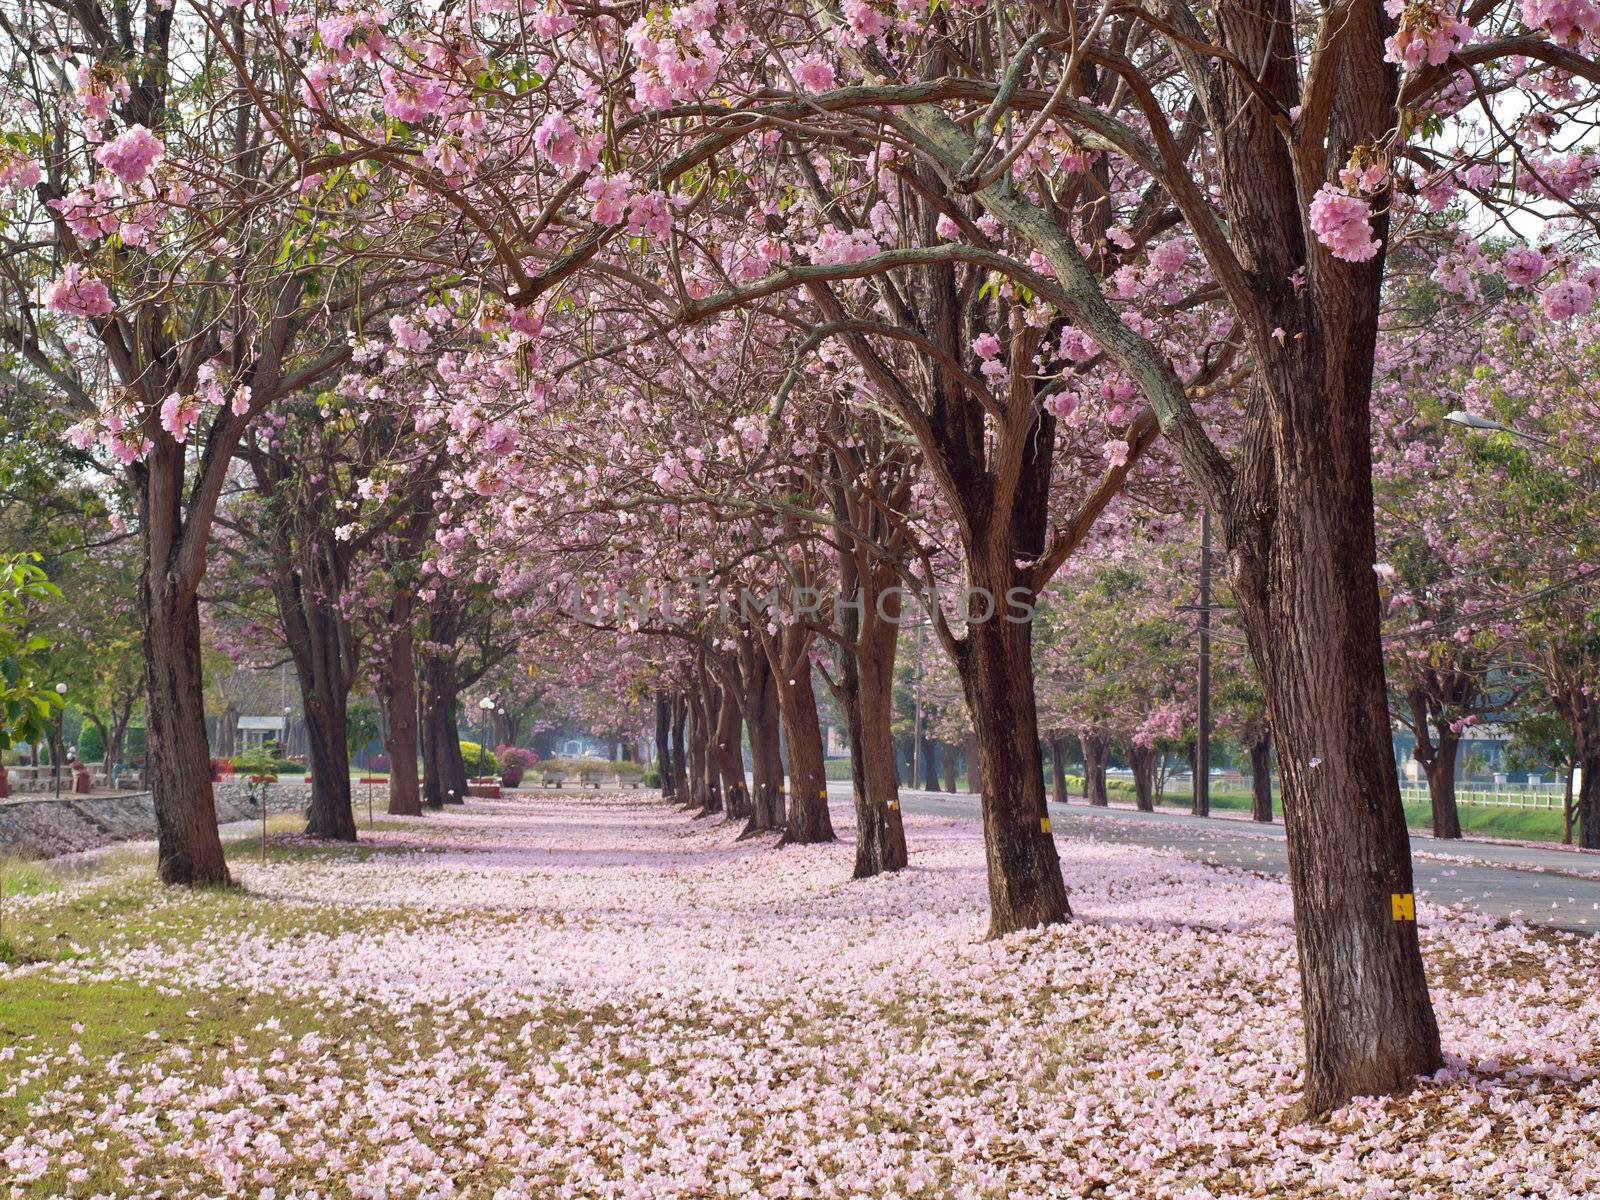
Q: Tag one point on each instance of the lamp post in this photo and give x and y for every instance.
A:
(487, 706)
(1473, 421)
(59, 750)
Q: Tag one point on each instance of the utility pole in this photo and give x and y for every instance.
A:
(1202, 751)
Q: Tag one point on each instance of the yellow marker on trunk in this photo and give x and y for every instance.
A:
(1044, 824)
(1404, 906)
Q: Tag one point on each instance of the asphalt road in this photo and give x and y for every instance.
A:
(1558, 888)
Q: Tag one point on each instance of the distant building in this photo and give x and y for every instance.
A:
(251, 709)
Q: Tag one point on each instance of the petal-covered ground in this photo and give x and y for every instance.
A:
(599, 997)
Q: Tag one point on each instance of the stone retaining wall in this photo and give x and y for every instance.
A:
(44, 828)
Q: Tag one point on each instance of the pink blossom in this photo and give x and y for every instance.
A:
(1522, 265)
(866, 19)
(834, 247)
(1567, 298)
(561, 144)
(815, 73)
(1343, 223)
(986, 345)
(1169, 256)
(408, 336)
(78, 294)
(1076, 345)
(130, 155)
(1568, 22)
(17, 170)
(178, 413)
(609, 195)
(410, 99)
(1427, 33)
(649, 216)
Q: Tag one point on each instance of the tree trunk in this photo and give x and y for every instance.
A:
(807, 820)
(1588, 805)
(444, 779)
(397, 692)
(1566, 806)
(996, 665)
(1143, 761)
(969, 755)
(119, 737)
(930, 765)
(880, 831)
(728, 754)
(1199, 789)
(1308, 599)
(1095, 753)
(703, 785)
(664, 743)
(1261, 778)
(101, 728)
(947, 760)
(764, 716)
(178, 757)
(1058, 769)
(682, 789)
(227, 740)
(328, 813)
(1441, 772)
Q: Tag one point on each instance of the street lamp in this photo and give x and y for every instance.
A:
(487, 706)
(1485, 425)
(59, 751)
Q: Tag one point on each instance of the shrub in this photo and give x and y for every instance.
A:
(514, 763)
(90, 747)
(652, 776)
(479, 762)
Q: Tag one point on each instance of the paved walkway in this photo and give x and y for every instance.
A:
(1555, 887)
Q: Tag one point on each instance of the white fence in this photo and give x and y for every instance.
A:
(1494, 795)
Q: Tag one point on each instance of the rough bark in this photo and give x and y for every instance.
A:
(880, 830)
(1441, 771)
(227, 741)
(682, 789)
(764, 718)
(1261, 778)
(1058, 768)
(397, 692)
(1143, 761)
(727, 752)
(969, 755)
(444, 778)
(1096, 751)
(703, 784)
(1588, 803)
(947, 760)
(1024, 872)
(189, 850)
(664, 743)
(1436, 743)
(930, 765)
(807, 820)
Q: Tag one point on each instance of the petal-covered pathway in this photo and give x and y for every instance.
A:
(600, 997)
